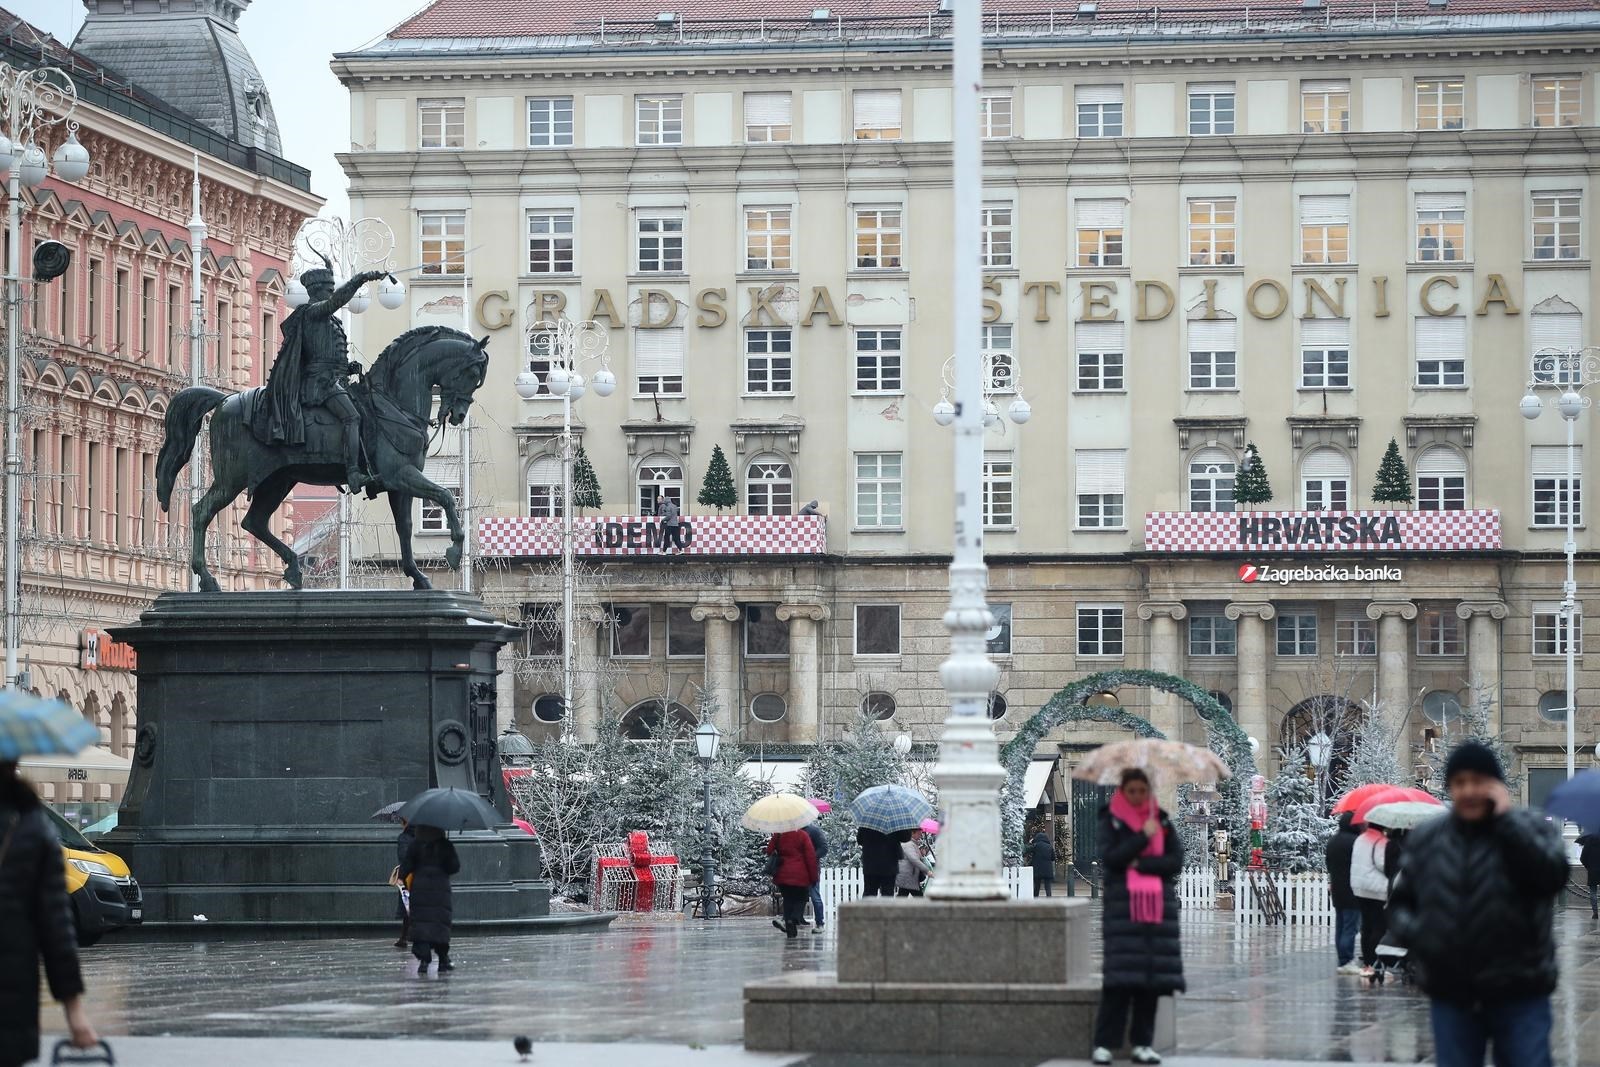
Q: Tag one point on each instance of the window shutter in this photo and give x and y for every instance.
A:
(1325, 463)
(1551, 460)
(1324, 210)
(1561, 330)
(441, 101)
(767, 109)
(1099, 94)
(1325, 333)
(1442, 338)
(1213, 335)
(1441, 201)
(1441, 461)
(1210, 88)
(1209, 457)
(444, 471)
(1101, 471)
(1325, 87)
(1101, 214)
(877, 108)
(546, 470)
(658, 352)
(1100, 336)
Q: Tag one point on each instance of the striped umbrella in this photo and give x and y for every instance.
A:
(34, 726)
(890, 809)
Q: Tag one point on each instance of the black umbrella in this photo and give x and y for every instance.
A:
(389, 812)
(450, 809)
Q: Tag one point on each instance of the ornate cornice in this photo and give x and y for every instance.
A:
(1255, 609)
(1405, 609)
(814, 612)
(715, 608)
(1495, 609)
(1166, 609)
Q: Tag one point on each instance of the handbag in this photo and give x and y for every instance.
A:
(100, 1052)
(770, 868)
(394, 878)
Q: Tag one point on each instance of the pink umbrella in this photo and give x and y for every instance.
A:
(822, 806)
(524, 825)
(929, 826)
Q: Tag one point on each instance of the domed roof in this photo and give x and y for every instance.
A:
(189, 54)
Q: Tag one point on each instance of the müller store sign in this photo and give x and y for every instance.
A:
(1322, 532)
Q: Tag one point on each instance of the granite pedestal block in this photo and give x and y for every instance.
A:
(271, 727)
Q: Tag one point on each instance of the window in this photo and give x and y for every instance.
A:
(1101, 478)
(1211, 109)
(768, 117)
(769, 486)
(1441, 480)
(119, 311)
(1324, 229)
(1556, 224)
(544, 488)
(549, 708)
(96, 269)
(877, 630)
(1213, 232)
(1213, 354)
(997, 707)
(1325, 480)
(1438, 632)
(1211, 474)
(222, 358)
(1212, 635)
(998, 358)
(442, 123)
(147, 319)
(994, 114)
(765, 636)
(660, 476)
(1551, 631)
(1441, 343)
(653, 718)
(1441, 707)
(443, 469)
(998, 491)
(660, 243)
(877, 361)
(998, 637)
(1554, 496)
(878, 490)
(1441, 104)
(658, 120)
(540, 359)
(550, 122)
(879, 706)
(1297, 634)
(768, 707)
(1557, 338)
(1100, 357)
(1355, 635)
(630, 630)
(1325, 107)
(877, 238)
(658, 361)
(1325, 354)
(685, 638)
(1556, 99)
(1553, 706)
(768, 361)
(1100, 224)
(1441, 227)
(541, 629)
(433, 518)
(175, 324)
(550, 242)
(997, 235)
(1099, 110)
(1099, 630)
(877, 114)
(768, 238)
(69, 328)
(443, 238)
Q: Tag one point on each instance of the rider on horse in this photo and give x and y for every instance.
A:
(310, 371)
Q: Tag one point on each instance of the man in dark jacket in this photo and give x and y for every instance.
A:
(819, 844)
(1346, 905)
(1475, 905)
(880, 861)
(1042, 854)
(1590, 858)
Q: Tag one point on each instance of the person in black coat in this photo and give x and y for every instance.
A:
(430, 861)
(1589, 843)
(1042, 854)
(880, 860)
(401, 912)
(36, 918)
(1346, 905)
(1141, 857)
(819, 844)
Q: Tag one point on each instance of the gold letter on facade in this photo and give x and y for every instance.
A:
(1380, 285)
(991, 308)
(502, 316)
(1495, 293)
(604, 308)
(1315, 292)
(1426, 295)
(1041, 309)
(1142, 304)
(1256, 287)
(715, 314)
(1095, 301)
(762, 313)
(648, 299)
(548, 305)
(821, 304)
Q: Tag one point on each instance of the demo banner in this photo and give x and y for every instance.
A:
(514, 536)
(1322, 532)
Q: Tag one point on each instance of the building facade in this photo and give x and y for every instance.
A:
(1307, 228)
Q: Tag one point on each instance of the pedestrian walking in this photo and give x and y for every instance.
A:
(1141, 856)
(1589, 856)
(912, 869)
(430, 861)
(819, 844)
(1042, 854)
(671, 522)
(797, 872)
(1346, 905)
(402, 903)
(880, 861)
(36, 918)
(1475, 906)
(1370, 884)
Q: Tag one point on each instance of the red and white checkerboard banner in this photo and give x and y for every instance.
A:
(518, 536)
(1322, 531)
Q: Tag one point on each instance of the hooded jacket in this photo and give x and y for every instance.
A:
(1338, 855)
(1367, 878)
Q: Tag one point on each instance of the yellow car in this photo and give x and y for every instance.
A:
(104, 894)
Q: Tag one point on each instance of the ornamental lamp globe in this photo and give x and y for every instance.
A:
(944, 413)
(902, 744)
(604, 382)
(1569, 404)
(527, 385)
(8, 155)
(32, 167)
(1530, 407)
(577, 385)
(707, 740)
(360, 302)
(295, 294)
(391, 294)
(557, 380)
(72, 160)
(1021, 411)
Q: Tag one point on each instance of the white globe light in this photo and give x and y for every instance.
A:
(1021, 411)
(604, 382)
(902, 744)
(72, 160)
(557, 380)
(391, 294)
(944, 413)
(527, 385)
(8, 154)
(295, 295)
(991, 414)
(360, 302)
(577, 385)
(32, 168)
(1570, 404)
(1255, 745)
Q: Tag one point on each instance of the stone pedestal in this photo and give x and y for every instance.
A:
(272, 725)
(1007, 978)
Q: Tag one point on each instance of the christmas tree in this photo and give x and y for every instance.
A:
(1296, 831)
(718, 490)
(1394, 480)
(1374, 751)
(840, 771)
(585, 486)
(1251, 485)
(1475, 723)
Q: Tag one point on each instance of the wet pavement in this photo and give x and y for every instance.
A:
(1261, 993)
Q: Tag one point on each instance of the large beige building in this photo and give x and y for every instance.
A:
(1317, 227)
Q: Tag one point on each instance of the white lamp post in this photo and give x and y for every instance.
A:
(31, 101)
(568, 345)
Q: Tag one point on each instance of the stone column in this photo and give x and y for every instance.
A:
(722, 656)
(1483, 650)
(805, 674)
(1166, 656)
(586, 680)
(1250, 702)
(1394, 667)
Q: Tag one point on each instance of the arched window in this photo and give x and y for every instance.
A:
(1325, 480)
(652, 719)
(120, 720)
(1211, 474)
(878, 705)
(769, 486)
(659, 475)
(1441, 480)
(544, 488)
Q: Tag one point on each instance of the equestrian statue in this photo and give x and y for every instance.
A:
(310, 424)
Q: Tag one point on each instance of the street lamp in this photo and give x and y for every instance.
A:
(1574, 370)
(31, 102)
(567, 345)
(707, 740)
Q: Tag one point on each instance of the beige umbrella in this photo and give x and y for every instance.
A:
(778, 814)
(1168, 762)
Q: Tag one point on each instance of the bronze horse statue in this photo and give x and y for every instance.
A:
(395, 401)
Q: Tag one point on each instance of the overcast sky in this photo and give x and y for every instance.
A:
(291, 41)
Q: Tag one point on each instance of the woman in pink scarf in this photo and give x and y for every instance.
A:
(1140, 857)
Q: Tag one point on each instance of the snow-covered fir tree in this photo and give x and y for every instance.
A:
(840, 771)
(1296, 830)
(1374, 750)
(1475, 723)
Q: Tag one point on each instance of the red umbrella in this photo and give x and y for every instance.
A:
(1393, 795)
(1358, 796)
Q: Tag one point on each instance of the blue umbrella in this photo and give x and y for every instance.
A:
(34, 726)
(890, 809)
(1578, 799)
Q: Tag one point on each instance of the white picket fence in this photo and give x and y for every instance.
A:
(843, 884)
(1304, 897)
